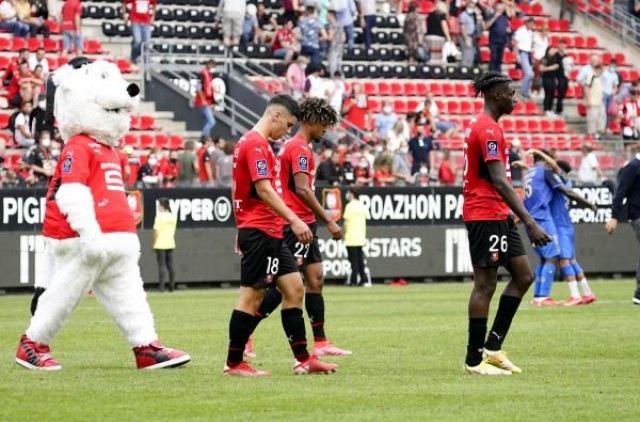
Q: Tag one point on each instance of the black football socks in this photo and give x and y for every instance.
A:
(506, 311)
(314, 303)
(241, 326)
(477, 333)
(293, 325)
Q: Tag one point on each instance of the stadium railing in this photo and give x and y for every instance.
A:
(616, 20)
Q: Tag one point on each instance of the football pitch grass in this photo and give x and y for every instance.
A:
(579, 363)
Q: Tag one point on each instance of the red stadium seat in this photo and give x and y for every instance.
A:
(135, 123)
(130, 139)
(147, 123)
(422, 89)
(531, 108)
(537, 142)
(520, 126)
(477, 107)
(176, 142)
(453, 107)
(537, 10)
(410, 89)
(462, 89)
(384, 89)
(397, 89)
(516, 74)
(546, 126)
(93, 47)
(519, 110)
(33, 44)
(579, 42)
(448, 90)
(374, 106)
(592, 43)
(559, 126)
(18, 44)
(620, 57)
(485, 56)
(436, 89)
(162, 141)
(370, 88)
(509, 57)
(5, 44)
(507, 125)
(400, 106)
(533, 126)
(124, 65)
(147, 141)
(466, 107)
(412, 105)
(4, 120)
(51, 46)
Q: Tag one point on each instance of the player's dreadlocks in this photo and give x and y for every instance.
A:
(485, 82)
(317, 110)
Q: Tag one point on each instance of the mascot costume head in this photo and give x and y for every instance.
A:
(89, 230)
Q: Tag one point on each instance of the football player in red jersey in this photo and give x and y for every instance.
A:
(489, 203)
(297, 175)
(266, 260)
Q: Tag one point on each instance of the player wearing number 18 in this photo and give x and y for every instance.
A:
(260, 216)
(297, 174)
(489, 202)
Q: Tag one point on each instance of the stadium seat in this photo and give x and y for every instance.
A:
(448, 90)
(162, 141)
(400, 106)
(176, 142)
(384, 89)
(147, 123)
(130, 139)
(397, 89)
(18, 44)
(135, 123)
(410, 89)
(147, 141)
(370, 88)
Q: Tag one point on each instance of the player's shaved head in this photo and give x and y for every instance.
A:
(283, 102)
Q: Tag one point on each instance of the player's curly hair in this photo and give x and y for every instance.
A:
(317, 110)
(485, 82)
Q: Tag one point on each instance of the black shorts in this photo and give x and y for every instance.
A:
(493, 243)
(264, 258)
(303, 254)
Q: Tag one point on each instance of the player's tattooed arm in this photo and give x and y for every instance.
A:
(506, 192)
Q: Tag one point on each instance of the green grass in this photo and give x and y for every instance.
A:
(580, 363)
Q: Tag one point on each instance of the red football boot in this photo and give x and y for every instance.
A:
(156, 356)
(244, 369)
(35, 356)
(314, 366)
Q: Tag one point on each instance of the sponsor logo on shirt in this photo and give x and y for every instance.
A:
(492, 148)
(66, 165)
(261, 166)
(303, 163)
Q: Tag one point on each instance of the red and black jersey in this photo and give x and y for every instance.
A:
(253, 160)
(483, 142)
(85, 161)
(297, 157)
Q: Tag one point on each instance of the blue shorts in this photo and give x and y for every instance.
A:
(566, 239)
(551, 249)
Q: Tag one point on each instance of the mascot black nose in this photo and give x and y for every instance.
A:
(133, 90)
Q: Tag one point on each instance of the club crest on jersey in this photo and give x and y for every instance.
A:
(492, 148)
(66, 165)
(494, 257)
(261, 167)
(303, 163)
(269, 278)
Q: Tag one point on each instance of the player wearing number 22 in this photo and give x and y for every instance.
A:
(297, 174)
(489, 202)
(266, 259)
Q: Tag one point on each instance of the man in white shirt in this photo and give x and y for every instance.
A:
(523, 44)
(9, 21)
(39, 59)
(594, 99)
(22, 134)
(586, 71)
(589, 170)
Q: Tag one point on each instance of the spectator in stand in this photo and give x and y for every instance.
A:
(12, 179)
(296, 76)
(368, 11)
(189, 166)
(518, 166)
(170, 169)
(337, 89)
(37, 117)
(250, 26)
(589, 171)
(216, 154)
(70, 18)
(231, 13)
(312, 33)
(523, 45)
(346, 14)
(382, 173)
(470, 33)
(292, 10)
(39, 59)
(363, 172)
(36, 24)
(400, 133)
(413, 32)
(164, 242)
(384, 121)
(267, 24)
(438, 27)
(204, 162)
(39, 81)
(141, 16)
(400, 166)
(39, 9)
(224, 166)
(20, 79)
(204, 97)
(22, 134)
(356, 108)
(336, 38)
(570, 6)
(586, 71)
(348, 173)
(548, 69)
(329, 172)
(447, 170)
(38, 158)
(540, 44)
(9, 21)
(594, 98)
(322, 7)
(563, 80)
(610, 83)
(630, 120)
(14, 65)
(315, 85)
(498, 23)
(429, 115)
(285, 44)
(149, 175)
(422, 147)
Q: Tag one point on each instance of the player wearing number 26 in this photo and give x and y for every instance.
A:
(489, 202)
(267, 261)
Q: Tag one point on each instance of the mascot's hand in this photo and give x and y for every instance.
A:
(94, 248)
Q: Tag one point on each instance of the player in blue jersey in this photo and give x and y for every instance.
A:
(542, 183)
(569, 267)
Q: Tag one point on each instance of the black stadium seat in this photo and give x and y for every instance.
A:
(109, 29)
(381, 37)
(194, 15)
(208, 16)
(164, 14)
(396, 38)
(398, 54)
(360, 71)
(191, 49)
(195, 32)
(166, 31)
(373, 71)
(180, 31)
(413, 71)
(180, 15)
(392, 22)
(163, 48)
(110, 12)
(123, 30)
(400, 72)
(386, 71)
(384, 54)
(208, 33)
(347, 70)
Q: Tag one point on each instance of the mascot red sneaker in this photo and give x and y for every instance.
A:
(89, 229)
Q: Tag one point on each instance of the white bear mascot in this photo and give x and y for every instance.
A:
(89, 229)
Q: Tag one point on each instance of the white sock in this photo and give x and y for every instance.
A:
(584, 286)
(573, 289)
